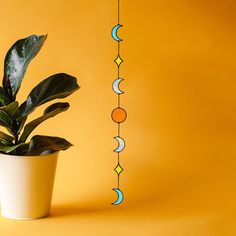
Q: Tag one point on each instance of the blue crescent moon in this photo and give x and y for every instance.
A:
(121, 144)
(120, 196)
(114, 33)
(116, 84)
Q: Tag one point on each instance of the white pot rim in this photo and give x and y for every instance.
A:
(30, 157)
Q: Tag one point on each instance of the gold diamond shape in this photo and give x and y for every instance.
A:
(118, 169)
(118, 60)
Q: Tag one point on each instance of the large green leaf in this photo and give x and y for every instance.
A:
(5, 120)
(56, 86)
(16, 62)
(40, 143)
(49, 112)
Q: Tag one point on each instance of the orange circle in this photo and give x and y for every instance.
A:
(119, 115)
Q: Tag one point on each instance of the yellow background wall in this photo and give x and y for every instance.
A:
(180, 80)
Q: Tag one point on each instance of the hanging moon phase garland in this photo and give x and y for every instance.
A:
(118, 114)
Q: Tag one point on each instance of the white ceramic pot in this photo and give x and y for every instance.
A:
(26, 185)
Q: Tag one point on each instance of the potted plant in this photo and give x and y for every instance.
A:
(27, 167)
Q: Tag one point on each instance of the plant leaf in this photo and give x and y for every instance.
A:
(18, 149)
(5, 120)
(49, 112)
(16, 62)
(40, 143)
(6, 136)
(56, 86)
(4, 100)
(6, 139)
(21, 122)
(11, 109)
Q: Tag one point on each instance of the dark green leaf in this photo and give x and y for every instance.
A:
(6, 139)
(40, 143)
(49, 112)
(18, 149)
(5, 142)
(22, 149)
(4, 100)
(16, 62)
(11, 109)
(56, 86)
(21, 122)
(5, 120)
(6, 136)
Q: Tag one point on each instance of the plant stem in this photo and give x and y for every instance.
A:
(16, 138)
(15, 131)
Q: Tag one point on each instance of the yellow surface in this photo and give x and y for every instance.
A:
(180, 80)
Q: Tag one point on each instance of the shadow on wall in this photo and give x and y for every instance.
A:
(62, 210)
